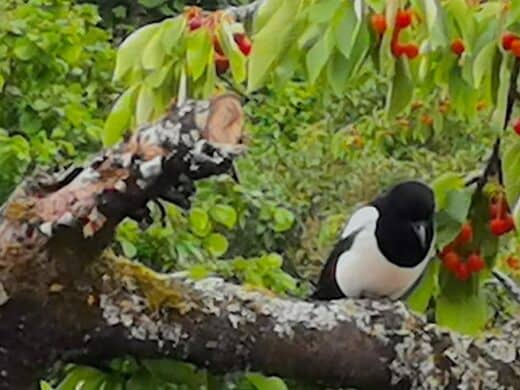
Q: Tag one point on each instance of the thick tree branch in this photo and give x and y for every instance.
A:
(62, 300)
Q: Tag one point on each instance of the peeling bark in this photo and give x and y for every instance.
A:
(63, 298)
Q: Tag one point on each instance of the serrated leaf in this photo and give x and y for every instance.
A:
(237, 60)
(269, 41)
(345, 29)
(435, 23)
(172, 33)
(153, 54)
(225, 215)
(119, 119)
(443, 184)
(199, 51)
(322, 11)
(145, 105)
(457, 204)
(483, 63)
(401, 89)
(319, 54)
(130, 52)
(216, 244)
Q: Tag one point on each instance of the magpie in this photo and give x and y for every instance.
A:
(384, 248)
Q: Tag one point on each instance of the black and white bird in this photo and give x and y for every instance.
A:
(385, 247)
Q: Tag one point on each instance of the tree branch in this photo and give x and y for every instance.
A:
(59, 299)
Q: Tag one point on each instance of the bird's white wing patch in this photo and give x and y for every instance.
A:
(360, 219)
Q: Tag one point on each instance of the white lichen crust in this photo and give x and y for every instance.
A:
(424, 355)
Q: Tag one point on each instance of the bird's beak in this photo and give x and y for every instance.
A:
(420, 230)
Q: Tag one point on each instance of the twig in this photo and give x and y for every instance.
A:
(494, 163)
(244, 13)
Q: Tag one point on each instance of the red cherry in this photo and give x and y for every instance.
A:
(502, 226)
(465, 235)
(516, 126)
(244, 43)
(513, 263)
(462, 272)
(221, 63)
(457, 47)
(451, 261)
(411, 51)
(509, 223)
(403, 19)
(448, 248)
(397, 49)
(494, 210)
(195, 23)
(475, 263)
(507, 40)
(515, 47)
(378, 23)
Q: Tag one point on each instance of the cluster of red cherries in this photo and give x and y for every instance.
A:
(196, 19)
(403, 20)
(457, 260)
(462, 262)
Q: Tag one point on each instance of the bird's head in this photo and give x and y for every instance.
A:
(413, 203)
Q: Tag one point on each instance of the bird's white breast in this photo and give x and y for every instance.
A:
(363, 270)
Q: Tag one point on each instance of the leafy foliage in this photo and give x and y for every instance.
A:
(55, 69)
(336, 114)
(127, 373)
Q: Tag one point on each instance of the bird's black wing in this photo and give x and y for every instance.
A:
(327, 287)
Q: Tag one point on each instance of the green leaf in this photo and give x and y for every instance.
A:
(153, 54)
(130, 51)
(24, 49)
(216, 244)
(119, 119)
(142, 380)
(435, 23)
(423, 293)
(172, 33)
(457, 204)
(199, 222)
(262, 382)
(483, 63)
(511, 168)
(345, 29)
(401, 89)
(176, 372)
(144, 106)
(270, 40)
(225, 215)
(468, 315)
(199, 51)
(237, 60)
(322, 11)
(283, 219)
(45, 386)
(129, 249)
(318, 55)
(443, 184)
(82, 377)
